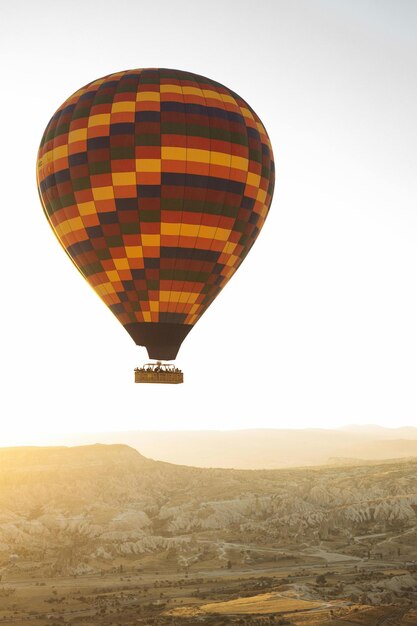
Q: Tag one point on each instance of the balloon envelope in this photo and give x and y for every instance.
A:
(156, 182)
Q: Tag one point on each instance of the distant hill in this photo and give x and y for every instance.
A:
(372, 430)
(265, 448)
(49, 458)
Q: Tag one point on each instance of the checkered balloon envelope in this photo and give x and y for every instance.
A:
(156, 183)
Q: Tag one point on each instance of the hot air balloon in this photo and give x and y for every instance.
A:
(156, 183)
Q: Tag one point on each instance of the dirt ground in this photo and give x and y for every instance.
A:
(302, 596)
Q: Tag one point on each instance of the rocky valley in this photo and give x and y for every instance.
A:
(144, 541)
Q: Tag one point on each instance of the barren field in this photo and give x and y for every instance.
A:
(224, 597)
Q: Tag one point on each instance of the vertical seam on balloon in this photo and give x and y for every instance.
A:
(184, 304)
(107, 293)
(134, 314)
(227, 278)
(81, 256)
(42, 200)
(62, 208)
(86, 151)
(160, 200)
(251, 240)
(183, 190)
(42, 151)
(140, 76)
(161, 193)
(203, 307)
(210, 300)
(203, 263)
(53, 165)
(112, 296)
(119, 78)
(221, 214)
(268, 167)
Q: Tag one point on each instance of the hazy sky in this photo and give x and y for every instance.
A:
(318, 327)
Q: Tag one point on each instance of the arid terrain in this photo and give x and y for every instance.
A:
(101, 535)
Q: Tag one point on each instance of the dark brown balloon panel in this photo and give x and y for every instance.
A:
(156, 183)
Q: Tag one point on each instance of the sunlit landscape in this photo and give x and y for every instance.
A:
(100, 534)
(208, 323)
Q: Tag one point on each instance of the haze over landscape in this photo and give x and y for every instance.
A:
(262, 448)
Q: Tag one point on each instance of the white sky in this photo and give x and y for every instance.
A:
(318, 327)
